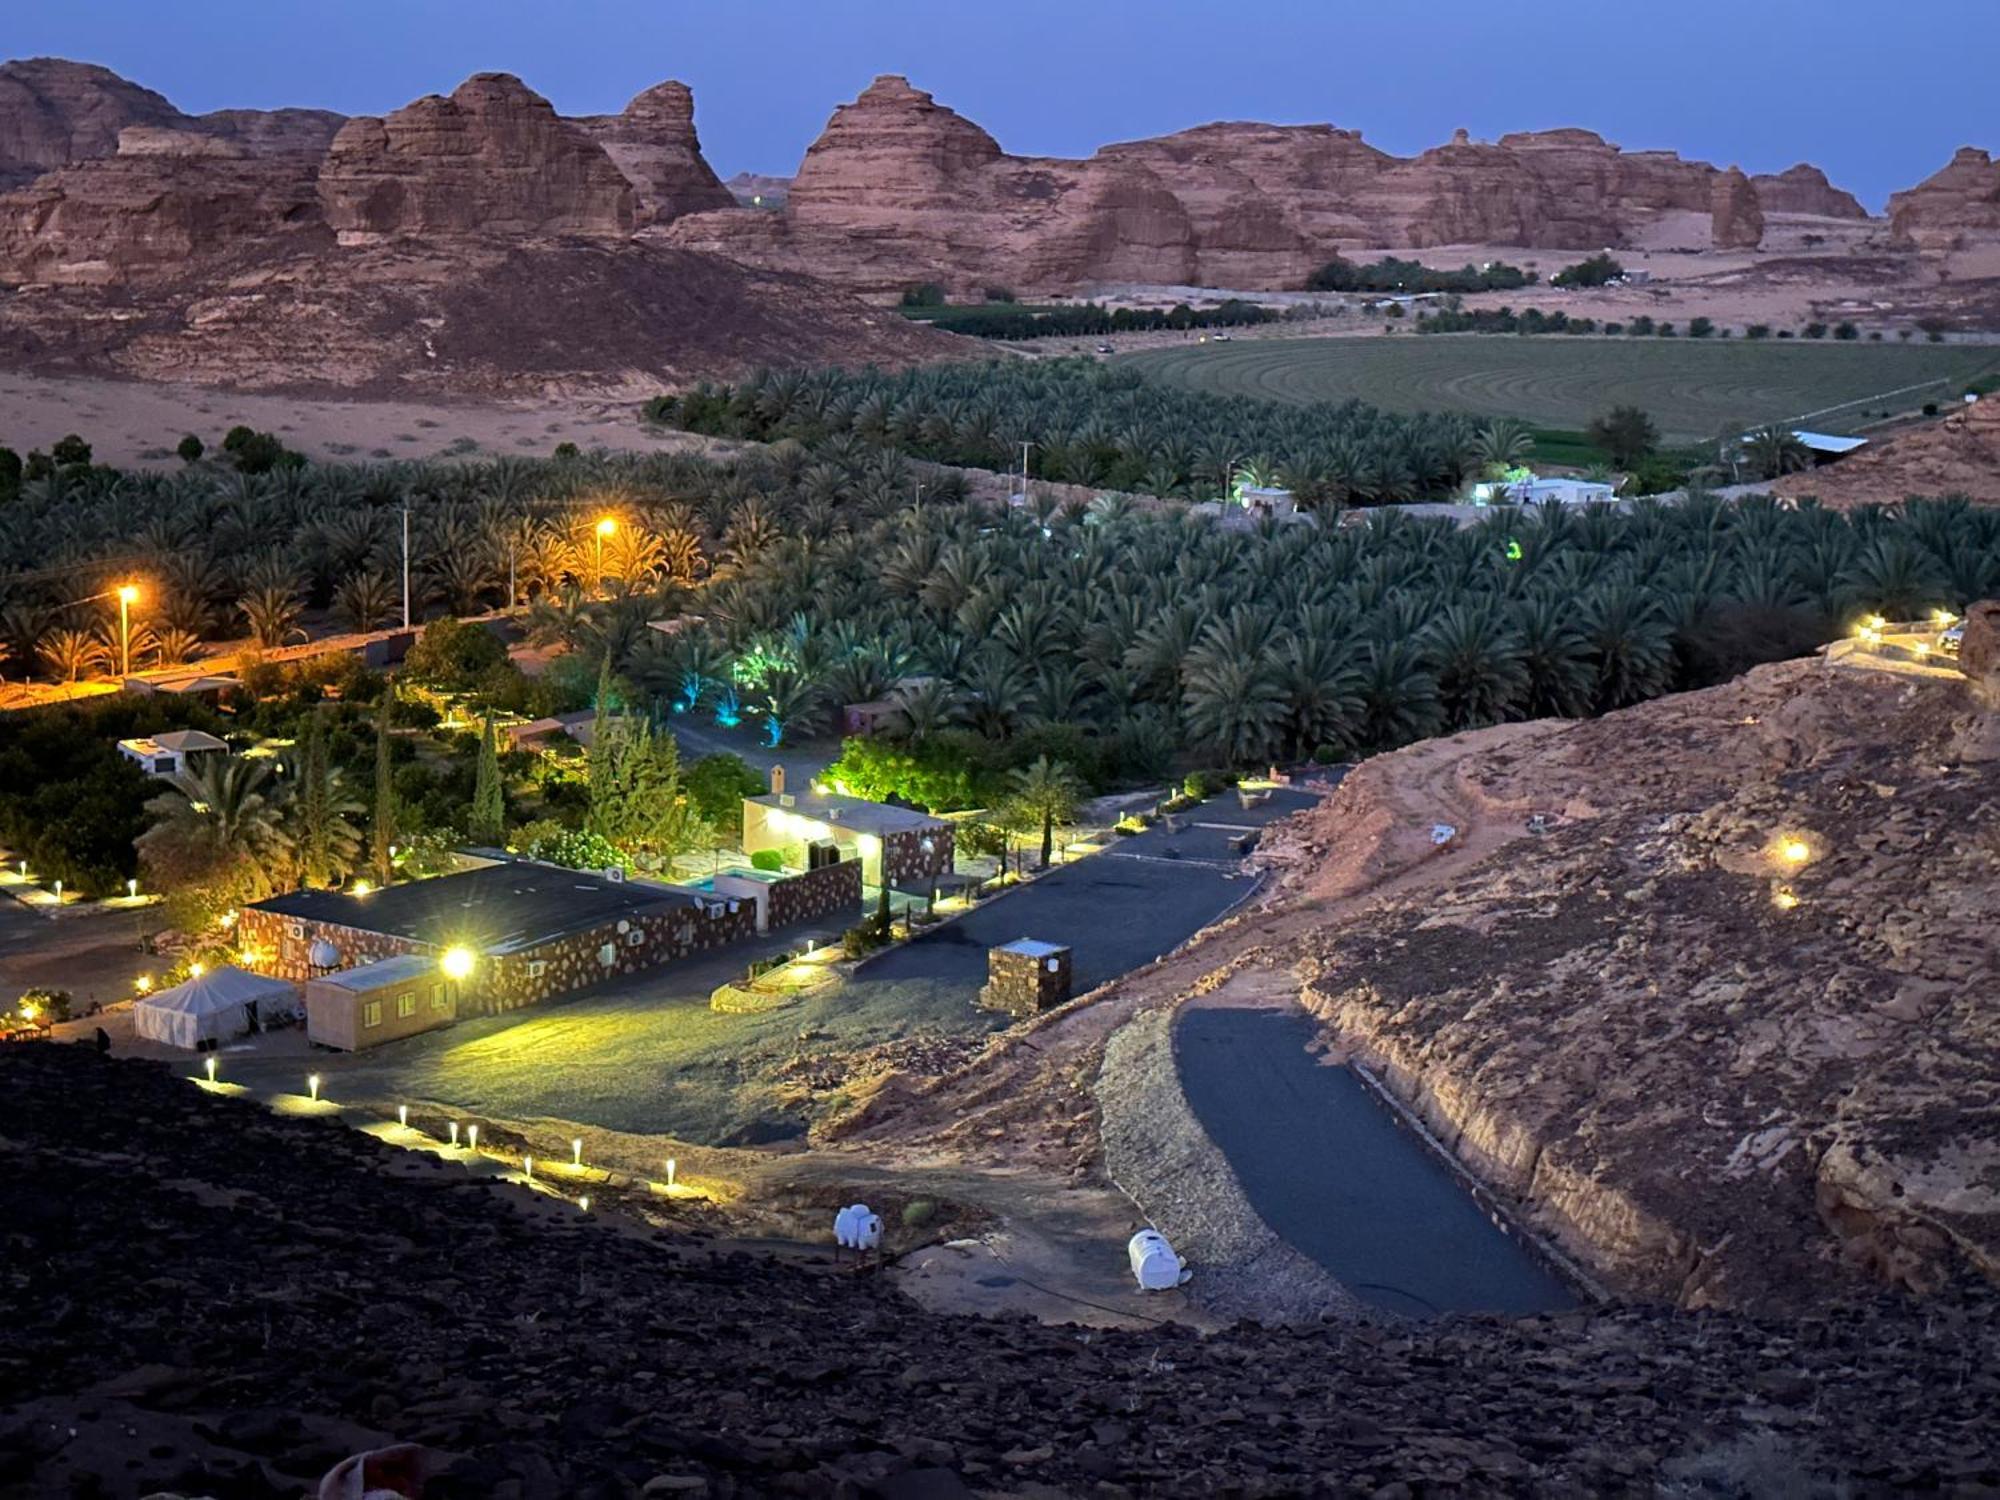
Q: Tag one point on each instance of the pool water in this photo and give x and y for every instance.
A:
(707, 882)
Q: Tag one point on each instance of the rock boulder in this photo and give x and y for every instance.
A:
(1979, 651)
(1738, 216)
(492, 159)
(654, 144)
(1803, 189)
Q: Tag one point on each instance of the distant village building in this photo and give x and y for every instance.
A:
(178, 752)
(1536, 490)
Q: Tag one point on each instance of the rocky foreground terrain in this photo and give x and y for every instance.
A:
(1959, 455)
(204, 1299)
(1725, 1028)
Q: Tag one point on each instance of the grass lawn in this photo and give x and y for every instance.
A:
(1693, 388)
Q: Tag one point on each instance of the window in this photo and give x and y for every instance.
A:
(406, 1005)
(371, 1013)
(437, 997)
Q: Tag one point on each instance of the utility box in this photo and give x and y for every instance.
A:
(1025, 977)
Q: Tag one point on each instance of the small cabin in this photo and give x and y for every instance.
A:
(355, 1009)
(177, 752)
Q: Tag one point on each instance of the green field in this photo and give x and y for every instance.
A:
(1694, 389)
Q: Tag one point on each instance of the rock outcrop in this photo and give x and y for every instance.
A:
(759, 189)
(1958, 205)
(167, 203)
(492, 159)
(1737, 216)
(1956, 455)
(1803, 189)
(54, 112)
(900, 189)
(654, 144)
(273, 132)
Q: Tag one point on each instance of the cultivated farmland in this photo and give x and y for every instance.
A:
(1693, 388)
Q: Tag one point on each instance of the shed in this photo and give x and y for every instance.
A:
(1026, 977)
(213, 1007)
(354, 1009)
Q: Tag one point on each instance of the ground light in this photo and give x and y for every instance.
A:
(403, 1115)
(454, 1135)
(670, 1174)
(312, 1086)
(576, 1151)
(1784, 898)
(132, 889)
(472, 1137)
(584, 1203)
(143, 984)
(1795, 851)
(211, 1067)
(528, 1167)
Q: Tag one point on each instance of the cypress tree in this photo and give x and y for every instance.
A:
(382, 836)
(489, 803)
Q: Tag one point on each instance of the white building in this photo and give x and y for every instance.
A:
(174, 753)
(1537, 490)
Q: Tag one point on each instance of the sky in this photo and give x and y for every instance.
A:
(1762, 83)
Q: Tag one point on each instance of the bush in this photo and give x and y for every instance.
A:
(1700, 328)
(453, 656)
(190, 449)
(1625, 433)
(72, 452)
(257, 452)
(1596, 271)
(572, 848)
(565, 451)
(1815, 330)
(924, 294)
(981, 840)
(1757, 331)
(1930, 408)
(716, 786)
(918, 1212)
(10, 475)
(48, 1007)
(767, 859)
(999, 294)
(863, 938)
(1642, 327)
(1846, 332)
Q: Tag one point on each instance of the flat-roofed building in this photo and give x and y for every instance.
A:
(365, 1006)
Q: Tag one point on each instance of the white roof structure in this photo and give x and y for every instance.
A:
(181, 741)
(1828, 443)
(1033, 948)
(403, 968)
(854, 814)
(214, 1006)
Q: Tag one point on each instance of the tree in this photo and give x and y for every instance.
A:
(716, 786)
(70, 654)
(1624, 432)
(272, 614)
(382, 830)
(636, 798)
(10, 475)
(71, 452)
(1598, 270)
(487, 822)
(1774, 451)
(452, 655)
(1047, 792)
(220, 840)
(190, 449)
(326, 845)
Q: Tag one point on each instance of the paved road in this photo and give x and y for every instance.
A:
(1334, 1174)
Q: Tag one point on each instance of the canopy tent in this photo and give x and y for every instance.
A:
(212, 1007)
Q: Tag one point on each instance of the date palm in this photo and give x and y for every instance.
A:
(1046, 792)
(225, 825)
(271, 613)
(365, 600)
(69, 654)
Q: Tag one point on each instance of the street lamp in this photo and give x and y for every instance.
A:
(456, 963)
(605, 528)
(128, 595)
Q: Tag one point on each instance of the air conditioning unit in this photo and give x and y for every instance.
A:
(786, 799)
(614, 873)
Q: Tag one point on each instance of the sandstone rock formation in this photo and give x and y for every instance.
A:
(759, 189)
(1719, 1074)
(900, 189)
(1956, 455)
(493, 158)
(273, 132)
(1738, 217)
(1957, 205)
(54, 112)
(1979, 650)
(655, 146)
(1803, 189)
(168, 201)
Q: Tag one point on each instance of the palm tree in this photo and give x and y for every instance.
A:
(928, 707)
(1047, 792)
(1236, 707)
(1477, 660)
(70, 654)
(364, 601)
(326, 844)
(1775, 451)
(272, 614)
(223, 828)
(1502, 444)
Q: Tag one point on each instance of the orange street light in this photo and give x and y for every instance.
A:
(605, 527)
(128, 595)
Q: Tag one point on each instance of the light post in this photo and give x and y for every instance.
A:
(127, 596)
(604, 529)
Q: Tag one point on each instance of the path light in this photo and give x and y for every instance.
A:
(472, 1137)
(528, 1167)
(132, 888)
(360, 888)
(670, 1174)
(457, 962)
(1784, 898)
(143, 984)
(584, 1203)
(403, 1115)
(312, 1085)
(58, 890)
(211, 1067)
(197, 969)
(454, 1135)
(576, 1150)
(1795, 851)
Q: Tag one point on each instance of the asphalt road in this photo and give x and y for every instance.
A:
(1335, 1175)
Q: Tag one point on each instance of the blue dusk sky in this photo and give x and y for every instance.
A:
(1878, 96)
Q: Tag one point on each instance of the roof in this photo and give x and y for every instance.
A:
(184, 740)
(498, 908)
(383, 973)
(1826, 442)
(854, 814)
(1033, 948)
(218, 989)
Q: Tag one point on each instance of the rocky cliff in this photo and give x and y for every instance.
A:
(899, 188)
(492, 159)
(1956, 206)
(654, 144)
(168, 202)
(1803, 189)
(1735, 214)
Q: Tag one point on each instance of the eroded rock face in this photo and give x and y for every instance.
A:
(168, 201)
(1957, 206)
(1738, 216)
(54, 112)
(1804, 189)
(900, 189)
(492, 159)
(1979, 651)
(654, 144)
(274, 132)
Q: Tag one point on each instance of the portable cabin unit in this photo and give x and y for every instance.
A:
(354, 1009)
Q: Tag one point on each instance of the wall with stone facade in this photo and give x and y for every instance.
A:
(817, 894)
(283, 944)
(904, 861)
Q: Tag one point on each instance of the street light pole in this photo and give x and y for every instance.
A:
(126, 595)
(406, 567)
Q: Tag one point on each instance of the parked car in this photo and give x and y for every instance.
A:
(1950, 640)
(1104, 349)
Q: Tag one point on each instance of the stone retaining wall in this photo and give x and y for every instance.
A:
(816, 894)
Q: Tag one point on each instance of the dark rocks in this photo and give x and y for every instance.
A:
(225, 1352)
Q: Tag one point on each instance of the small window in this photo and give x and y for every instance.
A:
(406, 1005)
(437, 999)
(371, 1013)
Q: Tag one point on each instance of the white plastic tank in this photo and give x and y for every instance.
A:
(1154, 1265)
(323, 955)
(857, 1228)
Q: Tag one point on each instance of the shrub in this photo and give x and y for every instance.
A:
(1846, 332)
(999, 294)
(1700, 328)
(257, 452)
(924, 294)
(573, 848)
(1757, 331)
(1641, 327)
(1625, 433)
(716, 786)
(767, 859)
(72, 452)
(190, 449)
(1598, 270)
(1392, 275)
(1930, 408)
(863, 938)
(985, 840)
(10, 475)
(918, 1212)
(1815, 330)
(565, 451)
(49, 1006)
(453, 656)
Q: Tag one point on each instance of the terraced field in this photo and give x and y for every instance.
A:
(1693, 388)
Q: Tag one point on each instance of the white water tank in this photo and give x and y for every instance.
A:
(323, 955)
(1154, 1265)
(857, 1228)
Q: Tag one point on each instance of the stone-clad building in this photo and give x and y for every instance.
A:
(533, 930)
(910, 848)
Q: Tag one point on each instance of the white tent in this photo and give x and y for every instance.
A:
(212, 1007)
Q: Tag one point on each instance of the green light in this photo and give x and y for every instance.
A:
(1513, 550)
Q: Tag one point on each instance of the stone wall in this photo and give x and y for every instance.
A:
(905, 861)
(282, 944)
(1023, 984)
(817, 894)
